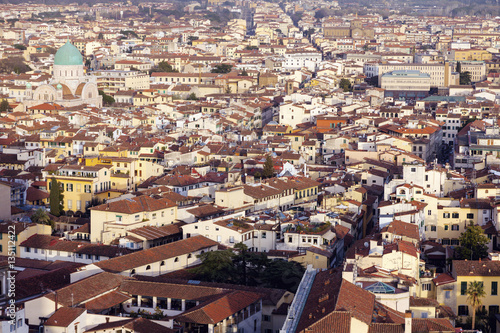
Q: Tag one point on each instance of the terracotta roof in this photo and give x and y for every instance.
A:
(218, 310)
(86, 289)
(443, 278)
(335, 321)
(155, 254)
(419, 302)
(401, 228)
(357, 301)
(476, 268)
(136, 325)
(138, 204)
(106, 301)
(64, 316)
(34, 194)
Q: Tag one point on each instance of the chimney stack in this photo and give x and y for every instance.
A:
(408, 321)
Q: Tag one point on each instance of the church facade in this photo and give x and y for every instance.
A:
(69, 86)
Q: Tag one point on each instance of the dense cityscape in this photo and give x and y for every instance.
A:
(249, 166)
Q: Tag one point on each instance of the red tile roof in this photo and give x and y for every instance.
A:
(155, 254)
(218, 310)
(64, 316)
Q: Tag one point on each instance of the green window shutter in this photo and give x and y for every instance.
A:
(463, 288)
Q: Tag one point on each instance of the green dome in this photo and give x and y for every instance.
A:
(59, 86)
(68, 54)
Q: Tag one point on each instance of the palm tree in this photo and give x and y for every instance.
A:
(475, 293)
(40, 216)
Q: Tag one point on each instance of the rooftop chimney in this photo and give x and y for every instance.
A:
(408, 321)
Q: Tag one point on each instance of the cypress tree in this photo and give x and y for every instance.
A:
(55, 198)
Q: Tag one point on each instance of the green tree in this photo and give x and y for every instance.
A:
(106, 99)
(40, 216)
(366, 47)
(164, 66)
(4, 106)
(129, 33)
(244, 73)
(475, 293)
(100, 36)
(217, 266)
(473, 243)
(308, 33)
(345, 84)
(13, 64)
(56, 198)
(222, 68)
(20, 46)
(283, 274)
(465, 78)
(268, 167)
(459, 67)
(192, 97)
(251, 47)
(51, 50)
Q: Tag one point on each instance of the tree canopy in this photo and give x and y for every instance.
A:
(41, 217)
(56, 198)
(222, 68)
(345, 84)
(4, 105)
(106, 99)
(268, 167)
(473, 243)
(465, 78)
(248, 268)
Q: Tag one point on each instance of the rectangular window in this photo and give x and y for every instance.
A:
(455, 215)
(70, 204)
(446, 215)
(69, 187)
(137, 217)
(433, 228)
(426, 286)
(231, 239)
(463, 310)
(470, 215)
(119, 219)
(264, 234)
(494, 288)
(447, 294)
(446, 227)
(455, 227)
(429, 212)
(463, 288)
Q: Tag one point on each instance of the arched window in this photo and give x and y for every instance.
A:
(132, 272)
(176, 259)
(189, 256)
(162, 263)
(148, 267)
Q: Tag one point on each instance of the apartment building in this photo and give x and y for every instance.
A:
(441, 75)
(111, 81)
(80, 183)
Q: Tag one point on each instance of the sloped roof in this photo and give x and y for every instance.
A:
(155, 254)
(220, 309)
